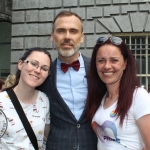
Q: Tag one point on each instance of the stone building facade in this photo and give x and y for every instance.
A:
(129, 19)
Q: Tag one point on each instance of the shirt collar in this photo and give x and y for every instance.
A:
(80, 60)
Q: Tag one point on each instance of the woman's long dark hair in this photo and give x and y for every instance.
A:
(25, 55)
(97, 88)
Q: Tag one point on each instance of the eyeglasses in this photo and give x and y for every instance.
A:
(34, 64)
(114, 40)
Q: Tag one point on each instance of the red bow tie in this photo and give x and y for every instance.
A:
(75, 65)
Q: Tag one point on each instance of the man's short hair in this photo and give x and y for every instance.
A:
(67, 13)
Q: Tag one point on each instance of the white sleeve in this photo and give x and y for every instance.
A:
(141, 103)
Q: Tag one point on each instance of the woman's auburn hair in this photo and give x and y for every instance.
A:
(97, 88)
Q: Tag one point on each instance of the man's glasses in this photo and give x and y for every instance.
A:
(115, 40)
(34, 64)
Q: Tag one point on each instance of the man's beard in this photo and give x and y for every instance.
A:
(65, 52)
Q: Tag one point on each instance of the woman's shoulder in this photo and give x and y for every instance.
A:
(4, 98)
(3, 94)
(141, 95)
(42, 95)
(43, 100)
(140, 90)
(141, 103)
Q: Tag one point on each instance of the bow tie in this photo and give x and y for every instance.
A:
(75, 65)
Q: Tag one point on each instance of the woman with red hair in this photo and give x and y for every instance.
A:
(117, 106)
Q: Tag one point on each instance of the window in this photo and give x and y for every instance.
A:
(140, 47)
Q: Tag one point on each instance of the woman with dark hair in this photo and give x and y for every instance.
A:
(2, 82)
(116, 105)
(33, 69)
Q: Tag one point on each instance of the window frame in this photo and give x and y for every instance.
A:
(146, 75)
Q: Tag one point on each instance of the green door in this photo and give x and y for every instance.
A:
(5, 48)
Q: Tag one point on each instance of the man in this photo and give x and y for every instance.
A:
(67, 89)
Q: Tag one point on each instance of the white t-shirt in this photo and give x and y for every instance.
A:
(15, 137)
(113, 137)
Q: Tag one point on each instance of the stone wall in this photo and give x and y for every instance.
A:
(32, 21)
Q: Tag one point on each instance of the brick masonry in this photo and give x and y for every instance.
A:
(32, 20)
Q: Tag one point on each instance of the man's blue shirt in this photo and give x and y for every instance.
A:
(72, 87)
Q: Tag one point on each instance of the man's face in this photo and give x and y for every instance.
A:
(67, 35)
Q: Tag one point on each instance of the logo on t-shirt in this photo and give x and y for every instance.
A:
(113, 113)
(100, 131)
(3, 123)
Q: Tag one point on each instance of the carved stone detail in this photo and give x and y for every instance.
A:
(5, 9)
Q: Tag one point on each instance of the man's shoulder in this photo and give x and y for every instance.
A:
(54, 63)
(85, 58)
